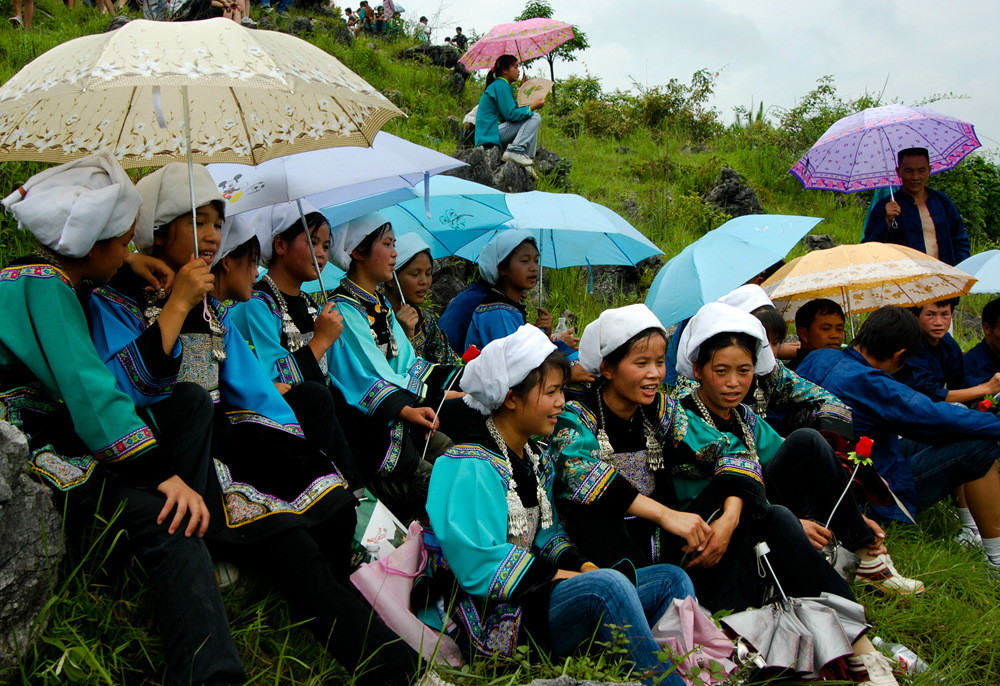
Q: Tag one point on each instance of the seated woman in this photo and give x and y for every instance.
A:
(724, 454)
(501, 122)
(389, 394)
(406, 293)
(282, 509)
(84, 433)
(288, 331)
(490, 507)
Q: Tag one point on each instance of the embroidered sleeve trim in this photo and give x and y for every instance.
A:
(509, 573)
(142, 381)
(739, 466)
(493, 307)
(394, 451)
(480, 453)
(41, 271)
(594, 483)
(248, 417)
(379, 391)
(288, 371)
(585, 415)
(555, 547)
(113, 296)
(127, 447)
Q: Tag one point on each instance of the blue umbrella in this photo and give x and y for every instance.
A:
(985, 266)
(722, 260)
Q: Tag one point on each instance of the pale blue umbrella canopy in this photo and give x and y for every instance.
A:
(985, 266)
(722, 260)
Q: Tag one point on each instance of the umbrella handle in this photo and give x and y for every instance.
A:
(190, 166)
(444, 396)
(399, 288)
(761, 550)
(312, 250)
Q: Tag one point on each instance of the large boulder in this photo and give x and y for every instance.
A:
(556, 167)
(733, 196)
(485, 167)
(614, 280)
(438, 55)
(451, 275)
(30, 549)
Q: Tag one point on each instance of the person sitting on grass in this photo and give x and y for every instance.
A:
(499, 120)
(407, 292)
(922, 448)
(983, 362)
(491, 511)
(819, 324)
(87, 438)
(936, 369)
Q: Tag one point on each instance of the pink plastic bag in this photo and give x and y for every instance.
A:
(387, 583)
(687, 630)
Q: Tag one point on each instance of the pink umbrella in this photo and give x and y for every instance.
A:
(525, 40)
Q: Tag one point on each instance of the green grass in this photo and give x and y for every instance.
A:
(99, 622)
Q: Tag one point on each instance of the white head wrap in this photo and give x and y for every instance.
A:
(407, 247)
(234, 234)
(747, 298)
(268, 222)
(166, 195)
(504, 362)
(498, 249)
(346, 237)
(608, 332)
(715, 318)
(74, 205)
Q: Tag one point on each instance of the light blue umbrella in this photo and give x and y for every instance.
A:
(985, 266)
(722, 260)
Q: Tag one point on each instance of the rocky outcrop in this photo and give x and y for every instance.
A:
(822, 241)
(733, 196)
(450, 276)
(612, 281)
(438, 55)
(486, 168)
(30, 549)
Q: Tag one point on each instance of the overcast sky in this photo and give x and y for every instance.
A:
(775, 50)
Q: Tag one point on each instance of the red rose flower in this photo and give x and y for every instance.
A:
(471, 354)
(864, 447)
(985, 405)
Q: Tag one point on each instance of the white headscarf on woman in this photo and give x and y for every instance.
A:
(166, 195)
(503, 363)
(72, 206)
(346, 237)
(499, 249)
(268, 222)
(609, 331)
(408, 246)
(747, 298)
(715, 318)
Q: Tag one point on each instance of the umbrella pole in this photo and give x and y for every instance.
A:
(762, 549)
(190, 164)
(312, 250)
(398, 287)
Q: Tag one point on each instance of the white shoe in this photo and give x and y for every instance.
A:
(970, 538)
(226, 574)
(517, 158)
(878, 666)
(881, 573)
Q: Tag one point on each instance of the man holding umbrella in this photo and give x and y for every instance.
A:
(919, 217)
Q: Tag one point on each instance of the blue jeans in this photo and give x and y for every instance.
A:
(938, 469)
(604, 598)
(521, 136)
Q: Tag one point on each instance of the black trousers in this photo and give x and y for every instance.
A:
(806, 477)
(183, 592)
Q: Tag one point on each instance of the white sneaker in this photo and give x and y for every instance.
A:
(226, 574)
(970, 538)
(878, 666)
(881, 573)
(517, 158)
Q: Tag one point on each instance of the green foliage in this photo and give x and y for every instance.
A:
(802, 125)
(974, 187)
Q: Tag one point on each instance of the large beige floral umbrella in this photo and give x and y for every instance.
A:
(865, 277)
(253, 96)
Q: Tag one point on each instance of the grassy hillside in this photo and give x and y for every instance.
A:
(657, 152)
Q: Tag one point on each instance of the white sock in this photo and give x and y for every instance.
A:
(992, 548)
(965, 514)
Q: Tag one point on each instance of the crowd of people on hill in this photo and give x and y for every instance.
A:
(568, 493)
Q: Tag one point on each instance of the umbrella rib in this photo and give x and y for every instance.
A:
(131, 99)
(243, 119)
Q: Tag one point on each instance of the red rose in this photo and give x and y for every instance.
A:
(985, 405)
(864, 447)
(471, 354)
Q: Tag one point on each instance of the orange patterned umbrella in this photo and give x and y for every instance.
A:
(525, 40)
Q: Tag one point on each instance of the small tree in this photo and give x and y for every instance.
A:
(536, 9)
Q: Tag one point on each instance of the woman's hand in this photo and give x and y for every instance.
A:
(544, 320)
(421, 416)
(329, 325)
(451, 395)
(187, 502)
(282, 387)
(878, 546)
(153, 271)
(564, 574)
(818, 534)
(578, 374)
(192, 283)
(689, 526)
(588, 567)
(408, 318)
(722, 533)
(568, 337)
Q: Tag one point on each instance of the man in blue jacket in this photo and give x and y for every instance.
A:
(924, 449)
(983, 361)
(919, 217)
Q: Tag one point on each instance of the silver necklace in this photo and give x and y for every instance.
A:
(517, 514)
(218, 331)
(288, 327)
(747, 434)
(654, 451)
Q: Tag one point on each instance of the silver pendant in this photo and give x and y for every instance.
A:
(604, 444)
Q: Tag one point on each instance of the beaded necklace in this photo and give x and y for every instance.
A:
(748, 436)
(288, 327)
(654, 451)
(517, 513)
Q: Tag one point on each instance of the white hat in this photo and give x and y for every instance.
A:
(408, 246)
(715, 318)
(747, 298)
(166, 195)
(499, 249)
(346, 237)
(72, 206)
(609, 331)
(268, 222)
(504, 363)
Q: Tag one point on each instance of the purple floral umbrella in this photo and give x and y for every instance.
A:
(858, 153)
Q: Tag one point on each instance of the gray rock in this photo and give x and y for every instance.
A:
(734, 197)
(30, 549)
(395, 96)
(301, 26)
(456, 83)
(486, 168)
(438, 55)
(630, 208)
(451, 275)
(342, 34)
(116, 23)
(610, 281)
(513, 178)
(554, 166)
(823, 241)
